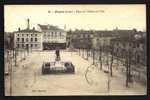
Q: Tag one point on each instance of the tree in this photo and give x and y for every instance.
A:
(112, 59)
(93, 52)
(100, 57)
(128, 67)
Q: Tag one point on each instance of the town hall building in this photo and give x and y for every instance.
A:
(28, 38)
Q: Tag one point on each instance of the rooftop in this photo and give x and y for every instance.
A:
(28, 31)
(49, 27)
(130, 39)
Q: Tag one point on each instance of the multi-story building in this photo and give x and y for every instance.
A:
(136, 45)
(53, 36)
(28, 39)
(82, 39)
(102, 38)
(8, 40)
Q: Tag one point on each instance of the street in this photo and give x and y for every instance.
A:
(27, 79)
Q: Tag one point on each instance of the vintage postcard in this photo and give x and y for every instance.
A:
(73, 50)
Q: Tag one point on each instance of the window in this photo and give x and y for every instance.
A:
(22, 34)
(35, 34)
(27, 34)
(27, 45)
(84, 36)
(117, 44)
(31, 45)
(60, 34)
(138, 45)
(26, 39)
(55, 34)
(35, 45)
(18, 39)
(18, 34)
(22, 39)
(138, 58)
(35, 39)
(134, 45)
(31, 34)
(130, 44)
(17, 45)
(31, 39)
(52, 34)
(22, 45)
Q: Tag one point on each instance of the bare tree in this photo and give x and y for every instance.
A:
(100, 57)
(93, 52)
(112, 59)
(128, 66)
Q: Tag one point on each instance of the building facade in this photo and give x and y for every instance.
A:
(28, 39)
(82, 39)
(102, 38)
(53, 37)
(137, 48)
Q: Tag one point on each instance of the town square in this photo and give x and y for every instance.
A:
(71, 54)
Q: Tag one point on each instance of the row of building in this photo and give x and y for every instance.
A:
(121, 41)
(45, 37)
(50, 37)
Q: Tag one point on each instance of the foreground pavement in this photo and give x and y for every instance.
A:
(27, 79)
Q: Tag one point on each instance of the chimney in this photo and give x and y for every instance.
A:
(19, 29)
(28, 23)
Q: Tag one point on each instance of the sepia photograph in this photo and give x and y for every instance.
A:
(75, 50)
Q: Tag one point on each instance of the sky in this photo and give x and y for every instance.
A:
(97, 17)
